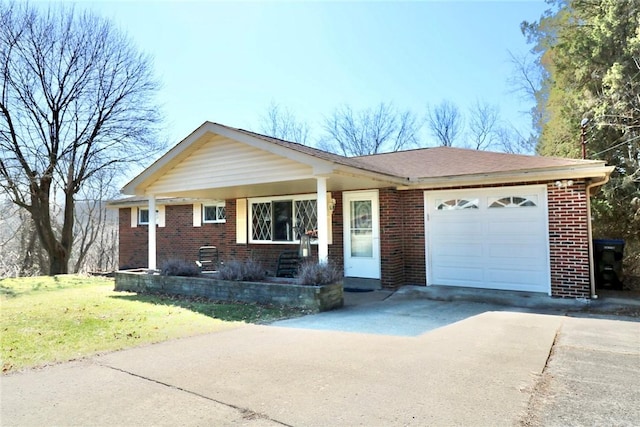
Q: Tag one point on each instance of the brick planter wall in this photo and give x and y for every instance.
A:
(313, 298)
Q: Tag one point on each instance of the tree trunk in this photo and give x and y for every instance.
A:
(58, 262)
(58, 251)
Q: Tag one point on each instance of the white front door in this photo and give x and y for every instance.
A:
(361, 234)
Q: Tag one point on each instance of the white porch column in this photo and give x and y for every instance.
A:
(323, 231)
(152, 232)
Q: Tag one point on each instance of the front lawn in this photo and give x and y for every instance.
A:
(46, 320)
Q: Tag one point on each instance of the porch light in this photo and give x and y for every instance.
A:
(305, 246)
(332, 205)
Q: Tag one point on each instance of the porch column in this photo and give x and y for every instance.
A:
(152, 232)
(323, 231)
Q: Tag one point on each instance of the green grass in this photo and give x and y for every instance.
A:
(46, 320)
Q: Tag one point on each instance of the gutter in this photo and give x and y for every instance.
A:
(508, 177)
(588, 188)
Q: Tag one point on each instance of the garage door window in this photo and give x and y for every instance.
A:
(513, 202)
(456, 204)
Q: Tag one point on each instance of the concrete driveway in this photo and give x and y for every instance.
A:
(474, 366)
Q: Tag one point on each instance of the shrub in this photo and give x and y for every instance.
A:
(179, 267)
(241, 270)
(313, 273)
(231, 270)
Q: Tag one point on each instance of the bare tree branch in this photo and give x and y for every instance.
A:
(281, 123)
(483, 124)
(377, 130)
(444, 122)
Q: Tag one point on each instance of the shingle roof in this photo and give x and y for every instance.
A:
(434, 162)
(321, 154)
(439, 162)
(418, 166)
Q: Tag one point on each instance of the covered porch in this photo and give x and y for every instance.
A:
(273, 192)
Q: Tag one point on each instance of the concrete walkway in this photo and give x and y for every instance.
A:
(415, 310)
(486, 368)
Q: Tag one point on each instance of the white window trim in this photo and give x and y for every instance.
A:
(140, 210)
(160, 216)
(293, 199)
(217, 205)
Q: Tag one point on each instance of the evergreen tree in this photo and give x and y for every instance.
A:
(589, 51)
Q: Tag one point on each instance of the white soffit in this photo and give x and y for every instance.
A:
(223, 162)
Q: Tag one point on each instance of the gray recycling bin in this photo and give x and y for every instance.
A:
(608, 263)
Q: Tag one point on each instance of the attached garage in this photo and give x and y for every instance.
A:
(494, 238)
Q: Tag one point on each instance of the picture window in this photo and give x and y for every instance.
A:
(282, 219)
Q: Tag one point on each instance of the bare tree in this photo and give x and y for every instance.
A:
(526, 79)
(22, 254)
(444, 122)
(92, 248)
(510, 140)
(76, 100)
(484, 120)
(281, 123)
(371, 131)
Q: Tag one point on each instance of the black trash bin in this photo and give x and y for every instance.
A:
(608, 263)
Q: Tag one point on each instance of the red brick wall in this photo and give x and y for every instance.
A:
(336, 251)
(402, 239)
(133, 242)
(179, 239)
(391, 241)
(413, 245)
(569, 241)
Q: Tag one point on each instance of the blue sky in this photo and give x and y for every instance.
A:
(228, 61)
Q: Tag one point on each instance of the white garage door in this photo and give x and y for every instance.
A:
(488, 238)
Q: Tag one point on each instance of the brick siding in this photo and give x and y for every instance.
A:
(179, 239)
(402, 239)
(413, 245)
(569, 241)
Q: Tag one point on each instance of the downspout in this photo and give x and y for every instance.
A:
(592, 276)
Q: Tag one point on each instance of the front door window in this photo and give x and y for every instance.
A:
(361, 229)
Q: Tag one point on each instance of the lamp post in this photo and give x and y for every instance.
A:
(583, 126)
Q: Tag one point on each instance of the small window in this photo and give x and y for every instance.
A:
(213, 213)
(143, 216)
(513, 202)
(456, 204)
